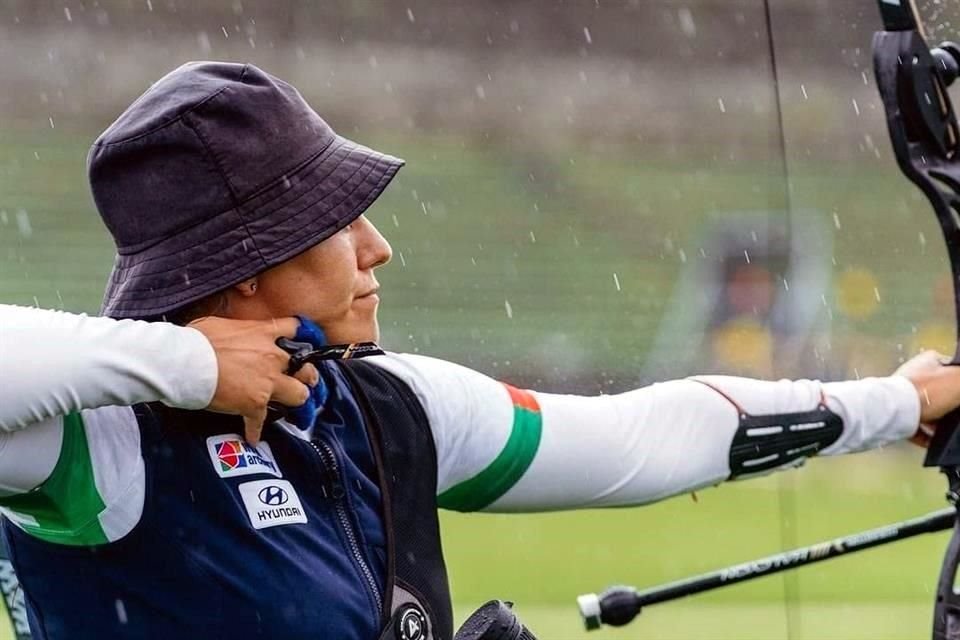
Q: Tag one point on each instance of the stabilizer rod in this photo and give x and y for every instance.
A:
(619, 605)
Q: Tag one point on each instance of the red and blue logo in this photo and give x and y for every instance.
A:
(232, 456)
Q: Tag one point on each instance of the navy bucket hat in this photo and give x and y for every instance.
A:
(215, 174)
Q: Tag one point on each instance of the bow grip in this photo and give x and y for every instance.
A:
(944, 449)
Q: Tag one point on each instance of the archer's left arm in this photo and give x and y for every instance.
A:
(506, 449)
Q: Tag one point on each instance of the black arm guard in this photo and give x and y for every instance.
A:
(766, 442)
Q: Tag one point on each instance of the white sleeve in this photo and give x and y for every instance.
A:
(631, 448)
(53, 363)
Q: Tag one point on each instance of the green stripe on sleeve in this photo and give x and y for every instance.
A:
(499, 476)
(66, 507)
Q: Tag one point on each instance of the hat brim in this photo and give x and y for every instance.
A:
(286, 218)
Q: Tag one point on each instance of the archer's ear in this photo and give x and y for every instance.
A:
(247, 288)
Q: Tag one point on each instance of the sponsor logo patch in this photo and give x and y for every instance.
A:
(232, 456)
(271, 502)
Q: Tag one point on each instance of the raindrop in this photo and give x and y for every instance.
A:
(923, 241)
(224, 30)
(50, 120)
(786, 285)
(533, 238)
(410, 15)
(746, 256)
(149, 6)
(204, 41)
(403, 261)
(687, 25)
(803, 90)
(836, 220)
(506, 304)
(396, 222)
(876, 293)
(856, 107)
(683, 256)
(121, 611)
(67, 14)
(616, 282)
(723, 107)
(587, 36)
(23, 223)
(480, 92)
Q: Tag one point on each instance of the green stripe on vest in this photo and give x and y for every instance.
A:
(67, 505)
(486, 487)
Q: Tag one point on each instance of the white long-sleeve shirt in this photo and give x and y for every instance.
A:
(553, 451)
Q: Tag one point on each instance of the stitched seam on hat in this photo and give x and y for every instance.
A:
(265, 212)
(289, 237)
(389, 171)
(260, 189)
(176, 301)
(226, 178)
(376, 192)
(345, 197)
(124, 251)
(180, 117)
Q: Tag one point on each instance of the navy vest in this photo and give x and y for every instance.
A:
(338, 541)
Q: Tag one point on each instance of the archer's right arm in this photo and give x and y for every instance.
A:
(54, 363)
(70, 465)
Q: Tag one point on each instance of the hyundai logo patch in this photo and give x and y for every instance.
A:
(270, 503)
(273, 495)
(411, 623)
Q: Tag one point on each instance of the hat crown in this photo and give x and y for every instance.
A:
(199, 142)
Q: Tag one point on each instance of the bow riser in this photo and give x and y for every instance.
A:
(923, 131)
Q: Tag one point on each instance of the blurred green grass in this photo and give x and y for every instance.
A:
(550, 559)
(504, 261)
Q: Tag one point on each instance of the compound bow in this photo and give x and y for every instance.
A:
(912, 80)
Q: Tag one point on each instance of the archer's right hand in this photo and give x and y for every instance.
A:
(251, 368)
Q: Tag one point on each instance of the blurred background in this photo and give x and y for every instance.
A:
(598, 195)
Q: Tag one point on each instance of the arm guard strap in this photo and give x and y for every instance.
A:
(766, 442)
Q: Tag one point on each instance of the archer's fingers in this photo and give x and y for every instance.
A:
(286, 327)
(308, 375)
(253, 425)
(290, 392)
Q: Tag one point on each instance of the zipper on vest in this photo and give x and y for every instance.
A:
(334, 490)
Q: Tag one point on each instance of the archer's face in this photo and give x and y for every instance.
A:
(332, 283)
